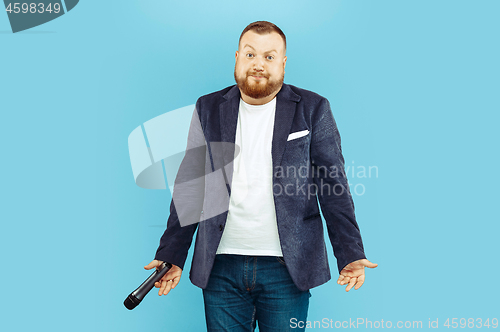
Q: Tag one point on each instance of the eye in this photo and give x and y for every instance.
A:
(249, 55)
(269, 57)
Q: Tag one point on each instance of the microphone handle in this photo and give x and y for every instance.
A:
(147, 285)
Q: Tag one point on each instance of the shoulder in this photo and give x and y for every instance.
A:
(313, 106)
(207, 105)
(215, 97)
(308, 101)
(306, 95)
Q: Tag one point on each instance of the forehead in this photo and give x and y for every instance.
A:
(262, 43)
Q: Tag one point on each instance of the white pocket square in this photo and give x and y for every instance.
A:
(297, 134)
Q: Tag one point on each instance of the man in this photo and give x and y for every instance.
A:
(257, 259)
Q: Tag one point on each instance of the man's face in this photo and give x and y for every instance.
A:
(260, 64)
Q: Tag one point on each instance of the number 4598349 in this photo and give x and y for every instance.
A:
(471, 323)
(32, 8)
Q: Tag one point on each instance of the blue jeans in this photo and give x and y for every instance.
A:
(243, 290)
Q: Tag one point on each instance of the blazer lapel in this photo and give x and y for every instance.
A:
(228, 117)
(286, 103)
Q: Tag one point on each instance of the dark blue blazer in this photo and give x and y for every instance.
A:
(317, 154)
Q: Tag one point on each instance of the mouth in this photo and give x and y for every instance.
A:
(257, 77)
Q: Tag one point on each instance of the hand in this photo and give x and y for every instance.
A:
(169, 280)
(354, 273)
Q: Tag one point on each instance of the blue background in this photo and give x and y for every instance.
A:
(413, 85)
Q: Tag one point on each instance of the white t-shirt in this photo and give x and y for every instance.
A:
(251, 227)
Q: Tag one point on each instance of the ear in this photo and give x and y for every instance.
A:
(284, 63)
(236, 55)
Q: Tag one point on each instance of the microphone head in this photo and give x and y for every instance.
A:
(131, 302)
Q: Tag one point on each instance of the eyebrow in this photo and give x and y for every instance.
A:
(273, 50)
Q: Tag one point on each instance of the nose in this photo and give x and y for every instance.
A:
(258, 64)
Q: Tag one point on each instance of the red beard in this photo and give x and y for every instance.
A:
(258, 90)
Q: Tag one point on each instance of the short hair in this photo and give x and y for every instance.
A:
(263, 27)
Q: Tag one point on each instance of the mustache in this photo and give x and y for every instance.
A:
(257, 74)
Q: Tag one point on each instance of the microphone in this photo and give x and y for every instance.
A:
(137, 296)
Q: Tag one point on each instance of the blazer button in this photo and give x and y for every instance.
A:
(221, 228)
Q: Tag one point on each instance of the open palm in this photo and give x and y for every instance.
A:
(353, 274)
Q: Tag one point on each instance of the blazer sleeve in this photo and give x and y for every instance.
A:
(187, 199)
(332, 187)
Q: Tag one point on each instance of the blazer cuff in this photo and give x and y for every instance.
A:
(344, 262)
(165, 256)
